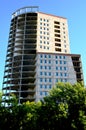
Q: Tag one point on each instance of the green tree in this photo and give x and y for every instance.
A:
(64, 108)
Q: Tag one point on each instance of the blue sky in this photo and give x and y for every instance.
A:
(73, 10)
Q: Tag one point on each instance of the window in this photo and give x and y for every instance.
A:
(41, 56)
(56, 22)
(47, 42)
(56, 57)
(45, 61)
(40, 73)
(41, 86)
(48, 48)
(60, 57)
(40, 19)
(49, 67)
(49, 56)
(56, 62)
(40, 93)
(41, 79)
(60, 62)
(44, 47)
(49, 86)
(64, 41)
(40, 61)
(49, 61)
(65, 74)
(64, 57)
(45, 67)
(65, 68)
(56, 73)
(45, 86)
(40, 46)
(49, 79)
(45, 80)
(45, 73)
(61, 68)
(41, 67)
(40, 41)
(44, 20)
(45, 56)
(58, 40)
(56, 68)
(58, 49)
(65, 62)
(61, 74)
(49, 73)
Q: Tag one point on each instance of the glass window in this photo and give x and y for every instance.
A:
(45, 73)
(61, 74)
(41, 67)
(40, 19)
(40, 93)
(56, 57)
(45, 86)
(56, 73)
(49, 67)
(47, 42)
(65, 74)
(60, 57)
(49, 56)
(41, 79)
(41, 56)
(56, 62)
(41, 86)
(44, 47)
(40, 46)
(50, 86)
(56, 68)
(49, 79)
(45, 56)
(45, 80)
(60, 67)
(40, 61)
(45, 61)
(48, 48)
(45, 67)
(60, 62)
(65, 68)
(49, 73)
(64, 62)
(41, 73)
(64, 57)
(49, 61)
(40, 41)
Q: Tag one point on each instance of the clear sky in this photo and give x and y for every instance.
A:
(73, 10)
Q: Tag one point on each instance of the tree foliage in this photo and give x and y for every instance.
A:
(63, 109)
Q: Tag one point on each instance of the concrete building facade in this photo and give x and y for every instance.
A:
(38, 55)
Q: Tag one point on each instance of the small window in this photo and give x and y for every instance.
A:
(56, 22)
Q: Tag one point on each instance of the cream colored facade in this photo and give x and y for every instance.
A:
(52, 34)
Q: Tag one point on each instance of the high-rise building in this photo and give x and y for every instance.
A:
(38, 55)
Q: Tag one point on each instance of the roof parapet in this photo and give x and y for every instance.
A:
(24, 10)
